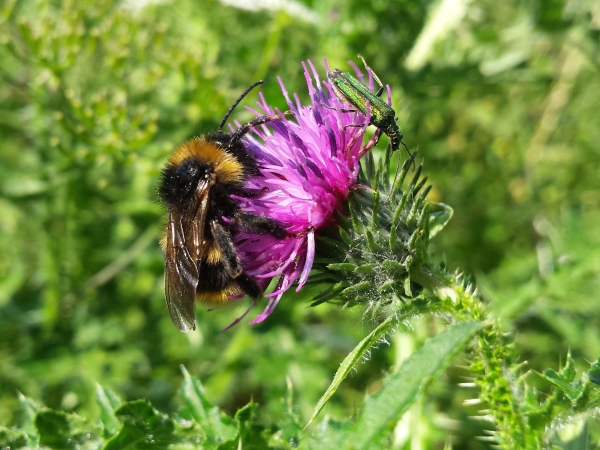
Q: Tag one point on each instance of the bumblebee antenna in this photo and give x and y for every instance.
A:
(240, 98)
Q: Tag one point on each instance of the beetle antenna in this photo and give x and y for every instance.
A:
(412, 158)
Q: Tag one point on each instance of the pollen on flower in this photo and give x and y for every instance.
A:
(308, 165)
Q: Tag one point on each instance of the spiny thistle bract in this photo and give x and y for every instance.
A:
(378, 255)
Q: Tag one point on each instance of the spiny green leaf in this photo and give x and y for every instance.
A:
(594, 372)
(393, 241)
(29, 409)
(392, 267)
(375, 212)
(10, 439)
(415, 179)
(337, 245)
(413, 213)
(375, 181)
(348, 240)
(369, 165)
(403, 173)
(342, 267)
(388, 285)
(573, 391)
(363, 285)
(373, 246)
(329, 293)
(426, 192)
(424, 225)
(420, 185)
(401, 389)
(415, 239)
(61, 430)
(365, 268)
(398, 213)
(252, 435)
(322, 278)
(143, 428)
(407, 288)
(108, 402)
(357, 225)
(350, 361)
(439, 218)
(343, 221)
(217, 426)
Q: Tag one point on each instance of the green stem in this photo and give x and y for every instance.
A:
(495, 367)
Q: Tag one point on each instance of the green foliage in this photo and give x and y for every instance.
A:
(202, 425)
(401, 390)
(140, 426)
(350, 362)
(217, 426)
(501, 100)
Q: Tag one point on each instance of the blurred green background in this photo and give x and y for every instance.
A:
(501, 99)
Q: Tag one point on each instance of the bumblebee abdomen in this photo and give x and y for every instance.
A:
(214, 285)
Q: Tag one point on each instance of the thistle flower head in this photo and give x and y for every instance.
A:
(309, 163)
(359, 230)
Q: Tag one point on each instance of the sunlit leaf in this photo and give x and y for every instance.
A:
(108, 402)
(58, 429)
(350, 362)
(11, 439)
(439, 217)
(400, 390)
(143, 427)
(217, 426)
(564, 380)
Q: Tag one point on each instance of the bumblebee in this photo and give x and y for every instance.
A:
(198, 186)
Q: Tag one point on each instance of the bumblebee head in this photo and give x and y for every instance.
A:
(179, 181)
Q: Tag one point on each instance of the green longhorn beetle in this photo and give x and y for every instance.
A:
(352, 92)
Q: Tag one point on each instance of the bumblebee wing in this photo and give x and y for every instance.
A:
(181, 275)
(183, 252)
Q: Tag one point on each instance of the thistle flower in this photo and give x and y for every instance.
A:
(309, 164)
(372, 233)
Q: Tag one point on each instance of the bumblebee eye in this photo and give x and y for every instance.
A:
(188, 170)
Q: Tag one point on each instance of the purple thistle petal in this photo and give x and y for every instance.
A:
(308, 163)
(357, 71)
(310, 258)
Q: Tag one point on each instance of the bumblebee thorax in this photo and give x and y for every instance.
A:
(212, 152)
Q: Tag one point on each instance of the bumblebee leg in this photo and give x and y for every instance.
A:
(229, 258)
(260, 225)
(258, 194)
(249, 286)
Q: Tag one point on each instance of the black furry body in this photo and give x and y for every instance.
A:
(197, 185)
(179, 179)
